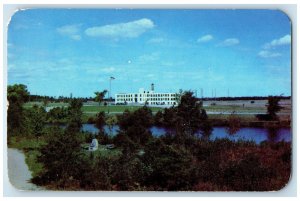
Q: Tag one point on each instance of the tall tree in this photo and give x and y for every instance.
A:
(191, 115)
(234, 124)
(135, 125)
(273, 106)
(74, 116)
(35, 120)
(100, 96)
(17, 95)
(111, 121)
(62, 158)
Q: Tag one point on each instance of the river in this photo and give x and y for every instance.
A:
(257, 135)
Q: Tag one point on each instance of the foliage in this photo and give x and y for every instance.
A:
(171, 167)
(100, 96)
(273, 106)
(136, 125)
(173, 162)
(96, 173)
(35, 120)
(187, 118)
(110, 122)
(234, 124)
(100, 121)
(61, 158)
(17, 95)
(57, 115)
(74, 116)
(158, 118)
(128, 172)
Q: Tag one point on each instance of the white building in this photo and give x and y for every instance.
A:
(151, 97)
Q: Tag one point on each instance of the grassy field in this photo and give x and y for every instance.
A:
(216, 109)
(51, 104)
(114, 108)
(103, 151)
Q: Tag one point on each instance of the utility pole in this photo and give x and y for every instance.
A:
(215, 94)
(109, 93)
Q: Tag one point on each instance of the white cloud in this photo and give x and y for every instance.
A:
(131, 29)
(268, 54)
(229, 42)
(72, 31)
(205, 38)
(285, 40)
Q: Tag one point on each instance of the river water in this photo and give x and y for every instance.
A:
(257, 135)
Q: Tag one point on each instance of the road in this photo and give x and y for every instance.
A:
(18, 172)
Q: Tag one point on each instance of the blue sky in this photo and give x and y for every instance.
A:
(61, 51)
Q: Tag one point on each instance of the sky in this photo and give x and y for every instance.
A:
(219, 52)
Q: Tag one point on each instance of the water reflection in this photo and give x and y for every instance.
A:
(257, 135)
(273, 134)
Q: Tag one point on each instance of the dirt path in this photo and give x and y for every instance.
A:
(18, 172)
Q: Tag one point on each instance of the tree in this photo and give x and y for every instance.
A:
(128, 171)
(74, 116)
(178, 96)
(273, 106)
(100, 121)
(35, 120)
(135, 125)
(234, 124)
(171, 167)
(100, 96)
(191, 116)
(97, 173)
(61, 158)
(57, 114)
(17, 95)
(158, 118)
(111, 121)
(45, 102)
(170, 117)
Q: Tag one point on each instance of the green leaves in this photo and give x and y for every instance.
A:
(100, 96)
(17, 95)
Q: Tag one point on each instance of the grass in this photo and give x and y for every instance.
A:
(231, 108)
(51, 104)
(29, 146)
(103, 151)
(114, 108)
(94, 108)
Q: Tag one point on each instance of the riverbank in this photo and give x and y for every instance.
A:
(18, 172)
